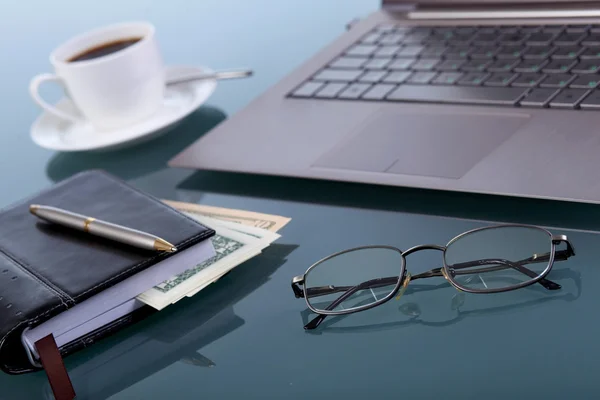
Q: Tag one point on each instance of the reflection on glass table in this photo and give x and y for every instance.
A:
(176, 334)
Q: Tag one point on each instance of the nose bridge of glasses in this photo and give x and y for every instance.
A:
(420, 247)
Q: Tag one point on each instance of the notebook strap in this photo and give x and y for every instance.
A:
(55, 368)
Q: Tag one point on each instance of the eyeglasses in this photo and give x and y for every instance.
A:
(492, 259)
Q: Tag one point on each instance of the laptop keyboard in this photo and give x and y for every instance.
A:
(556, 66)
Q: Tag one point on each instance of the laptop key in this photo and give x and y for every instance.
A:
(476, 65)
(513, 38)
(450, 65)
(567, 52)
(540, 39)
(466, 30)
(485, 39)
(424, 65)
(386, 51)
(361, 50)
(591, 102)
(530, 66)
(473, 79)
(503, 65)
(372, 76)
(447, 78)
(307, 89)
(539, 97)
(458, 94)
(338, 75)
(433, 51)
(569, 98)
(585, 82)
(425, 30)
(592, 40)
(416, 37)
(484, 52)
(553, 28)
(509, 30)
(578, 28)
(501, 79)
(528, 80)
(569, 39)
(377, 63)
(422, 78)
(557, 80)
(458, 53)
(592, 53)
(391, 38)
(530, 29)
(511, 52)
(487, 29)
(538, 52)
(354, 91)
(396, 77)
(401, 63)
(378, 92)
(330, 90)
(460, 39)
(349, 62)
(371, 38)
(442, 30)
(410, 51)
(587, 67)
(559, 66)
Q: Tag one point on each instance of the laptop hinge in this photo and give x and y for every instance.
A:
(490, 11)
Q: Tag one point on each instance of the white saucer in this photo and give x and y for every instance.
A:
(53, 133)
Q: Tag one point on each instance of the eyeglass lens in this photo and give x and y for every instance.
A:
(353, 279)
(498, 258)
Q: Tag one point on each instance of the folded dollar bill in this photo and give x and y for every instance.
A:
(240, 235)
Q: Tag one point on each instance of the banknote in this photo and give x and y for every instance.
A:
(266, 237)
(240, 235)
(231, 247)
(269, 222)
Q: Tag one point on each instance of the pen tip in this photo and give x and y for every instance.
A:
(163, 245)
(33, 208)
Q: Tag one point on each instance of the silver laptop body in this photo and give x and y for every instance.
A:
(434, 121)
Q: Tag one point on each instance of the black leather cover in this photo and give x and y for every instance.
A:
(46, 269)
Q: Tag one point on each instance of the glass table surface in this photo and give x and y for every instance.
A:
(243, 336)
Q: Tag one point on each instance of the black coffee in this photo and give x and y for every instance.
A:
(104, 49)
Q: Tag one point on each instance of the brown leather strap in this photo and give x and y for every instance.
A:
(55, 368)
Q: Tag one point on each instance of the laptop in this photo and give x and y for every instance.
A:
(476, 96)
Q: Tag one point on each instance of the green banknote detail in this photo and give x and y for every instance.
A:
(223, 247)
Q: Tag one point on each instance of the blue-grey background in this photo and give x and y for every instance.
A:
(431, 343)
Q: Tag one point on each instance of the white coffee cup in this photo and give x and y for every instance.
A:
(113, 90)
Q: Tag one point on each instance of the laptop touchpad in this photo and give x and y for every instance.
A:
(427, 144)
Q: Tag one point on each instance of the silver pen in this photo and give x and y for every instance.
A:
(101, 228)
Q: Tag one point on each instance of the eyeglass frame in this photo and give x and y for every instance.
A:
(404, 277)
